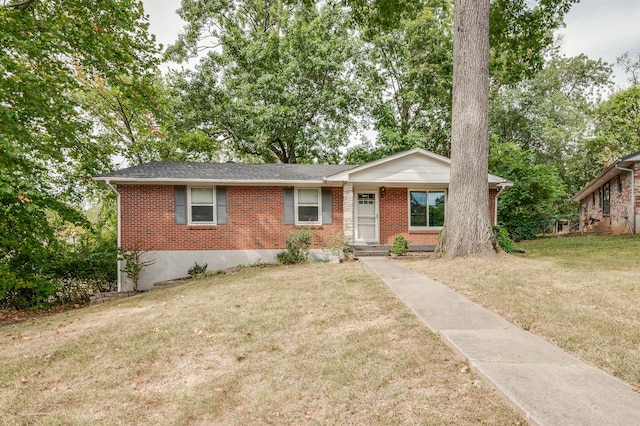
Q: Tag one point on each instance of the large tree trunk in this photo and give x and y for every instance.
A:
(467, 229)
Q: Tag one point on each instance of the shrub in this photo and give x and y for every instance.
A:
(298, 245)
(197, 269)
(400, 245)
(71, 291)
(134, 264)
(340, 246)
(96, 265)
(18, 293)
(503, 239)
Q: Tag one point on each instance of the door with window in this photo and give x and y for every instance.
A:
(367, 217)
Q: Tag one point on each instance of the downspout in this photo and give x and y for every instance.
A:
(119, 239)
(633, 195)
(495, 210)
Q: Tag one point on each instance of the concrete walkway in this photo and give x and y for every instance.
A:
(547, 385)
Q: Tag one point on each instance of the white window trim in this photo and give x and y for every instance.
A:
(296, 205)
(425, 228)
(214, 206)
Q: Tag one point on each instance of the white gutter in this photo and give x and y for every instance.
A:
(228, 182)
(108, 182)
(502, 186)
(633, 195)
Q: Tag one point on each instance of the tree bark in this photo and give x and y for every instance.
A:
(467, 229)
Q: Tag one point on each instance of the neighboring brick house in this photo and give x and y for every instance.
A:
(609, 203)
(225, 214)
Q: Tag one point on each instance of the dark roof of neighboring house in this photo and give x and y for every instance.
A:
(237, 172)
(614, 169)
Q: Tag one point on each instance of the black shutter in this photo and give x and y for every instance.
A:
(180, 195)
(221, 206)
(289, 208)
(327, 217)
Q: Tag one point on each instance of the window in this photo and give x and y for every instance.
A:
(308, 205)
(426, 209)
(202, 205)
(606, 192)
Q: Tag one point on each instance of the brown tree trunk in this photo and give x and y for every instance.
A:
(467, 229)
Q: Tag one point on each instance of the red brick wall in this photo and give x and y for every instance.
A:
(394, 218)
(636, 167)
(620, 217)
(256, 216)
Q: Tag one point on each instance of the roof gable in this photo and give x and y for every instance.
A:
(415, 166)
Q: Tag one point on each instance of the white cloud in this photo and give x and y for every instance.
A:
(603, 29)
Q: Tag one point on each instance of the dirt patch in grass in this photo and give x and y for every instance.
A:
(309, 344)
(580, 293)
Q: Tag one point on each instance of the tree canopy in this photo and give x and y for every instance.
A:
(46, 148)
(277, 83)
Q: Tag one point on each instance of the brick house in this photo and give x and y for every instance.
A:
(225, 214)
(609, 204)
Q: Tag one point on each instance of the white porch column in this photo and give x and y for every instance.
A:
(347, 206)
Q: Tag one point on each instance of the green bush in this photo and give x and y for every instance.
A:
(525, 209)
(298, 245)
(197, 269)
(71, 291)
(525, 228)
(133, 263)
(18, 293)
(503, 239)
(400, 245)
(97, 265)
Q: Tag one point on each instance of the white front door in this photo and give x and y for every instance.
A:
(367, 217)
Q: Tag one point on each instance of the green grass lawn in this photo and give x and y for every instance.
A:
(581, 293)
(311, 344)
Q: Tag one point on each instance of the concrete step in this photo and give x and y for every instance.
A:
(369, 253)
(385, 250)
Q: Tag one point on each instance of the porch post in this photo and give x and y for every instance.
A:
(347, 203)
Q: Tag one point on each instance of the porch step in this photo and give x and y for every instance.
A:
(384, 250)
(362, 251)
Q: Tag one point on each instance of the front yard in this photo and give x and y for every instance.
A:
(581, 293)
(310, 344)
(315, 343)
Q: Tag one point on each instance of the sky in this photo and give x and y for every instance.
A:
(598, 28)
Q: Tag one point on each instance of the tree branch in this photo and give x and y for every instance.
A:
(22, 5)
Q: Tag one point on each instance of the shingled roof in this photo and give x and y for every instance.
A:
(223, 172)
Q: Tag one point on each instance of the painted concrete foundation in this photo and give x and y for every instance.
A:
(171, 265)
